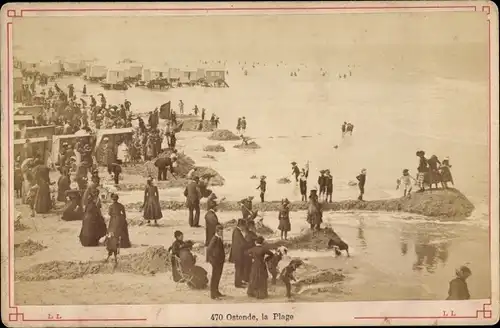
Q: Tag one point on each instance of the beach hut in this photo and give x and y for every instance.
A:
(39, 131)
(114, 136)
(28, 110)
(215, 74)
(200, 74)
(50, 69)
(58, 140)
(22, 121)
(95, 72)
(115, 75)
(34, 146)
(18, 85)
(174, 74)
(189, 76)
(71, 67)
(134, 70)
(146, 74)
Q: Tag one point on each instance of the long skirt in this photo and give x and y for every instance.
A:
(284, 225)
(257, 286)
(198, 278)
(152, 210)
(119, 227)
(93, 229)
(72, 211)
(43, 203)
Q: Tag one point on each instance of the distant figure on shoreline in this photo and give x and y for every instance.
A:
(361, 183)
(238, 125)
(243, 125)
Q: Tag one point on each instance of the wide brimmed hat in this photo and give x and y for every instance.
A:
(314, 189)
(263, 177)
(294, 163)
(212, 196)
(250, 197)
(286, 201)
(322, 171)
(327, 171)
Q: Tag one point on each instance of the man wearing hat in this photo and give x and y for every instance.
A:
(321, 183)
(262, 187)
(193, 196)
(237, 253)
(211, 220)
(295, 171)
(246, 208)
(216, 257)
(329, 186)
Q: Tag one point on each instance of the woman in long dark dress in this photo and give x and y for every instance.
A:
(93, 225)
(43, 203)
(257, 286)
(72, 210)
(118, 222)
(196, 275)
(63, 185)
(152, 209)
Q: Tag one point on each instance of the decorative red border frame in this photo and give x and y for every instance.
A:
(16, 316)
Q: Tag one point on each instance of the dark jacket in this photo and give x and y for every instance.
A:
(192, 193)
(238, 246)
(362, 179)
(215, 251)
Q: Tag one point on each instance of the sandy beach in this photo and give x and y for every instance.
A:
(398, 105)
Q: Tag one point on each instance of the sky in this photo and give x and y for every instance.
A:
(158, 38)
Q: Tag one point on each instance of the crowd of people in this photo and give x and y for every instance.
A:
(253, 262)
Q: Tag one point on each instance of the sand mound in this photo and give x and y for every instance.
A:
(18, 226)
(223, 135)
(193, 124)
(441, 204)
(308, 239)
(153, 260)
(284, 180)
(214, 148)
(321, 276)
(262, 229)
(27, 248)
(210, 157)
(250, 145)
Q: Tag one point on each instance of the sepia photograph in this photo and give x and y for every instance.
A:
(241, 163)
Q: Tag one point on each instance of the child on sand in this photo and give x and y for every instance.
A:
(458, 287)
(287, 275)
(405, 179)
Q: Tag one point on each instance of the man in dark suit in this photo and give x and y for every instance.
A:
(216, 257)
(211, 220)
(237, 254)
(163, 164)
(192, 193)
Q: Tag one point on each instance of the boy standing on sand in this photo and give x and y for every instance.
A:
(361, 183)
